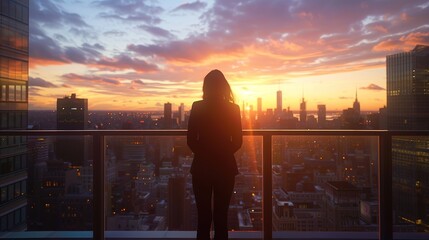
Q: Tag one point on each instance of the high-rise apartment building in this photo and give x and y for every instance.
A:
(321, 115)
(13, 113)
(408, 89)
(72, 113)
(408, 109)
(342, 206)
(168, 116)
(181, 113)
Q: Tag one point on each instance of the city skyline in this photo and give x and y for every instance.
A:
(138, 55)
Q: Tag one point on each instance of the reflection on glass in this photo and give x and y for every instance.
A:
(325, 183)
(148, 185)
(60, 180)
(410, 183)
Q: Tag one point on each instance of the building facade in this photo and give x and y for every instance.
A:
(408, 109)
(72, 113)
(13, 113)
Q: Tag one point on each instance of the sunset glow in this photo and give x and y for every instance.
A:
(137, 55)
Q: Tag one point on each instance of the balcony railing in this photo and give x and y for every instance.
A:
(384, 142)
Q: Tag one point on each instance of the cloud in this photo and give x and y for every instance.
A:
(122, 61)
(130, 10)
(43, 49)
(114, 33)
(157, 31)
(194, 6)
(89, 79)
(403, 43)
(138, 81)
(189, 50)
(40, 82)
(49, 14)
(46, 51)
(373, 87)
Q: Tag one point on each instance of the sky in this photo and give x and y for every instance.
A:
(138, 55)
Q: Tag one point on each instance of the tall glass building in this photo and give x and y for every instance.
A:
(408, 109)
(13, 113)
(408, 89)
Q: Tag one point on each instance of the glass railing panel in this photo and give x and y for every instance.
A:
(325, 183)
(149, 188)
(46, 184)
(410, 184)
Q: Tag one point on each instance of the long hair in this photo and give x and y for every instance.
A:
(216, 86)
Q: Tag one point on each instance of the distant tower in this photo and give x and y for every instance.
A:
(259, 107)
(72, 113)
(167, 111)
(356, 104)
(168, 115)
(181, 113)
(279, 108)
(321, 115)
(303, 111)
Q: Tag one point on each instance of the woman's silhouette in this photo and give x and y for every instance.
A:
(214, 135)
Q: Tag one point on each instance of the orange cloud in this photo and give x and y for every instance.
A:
(404, 43)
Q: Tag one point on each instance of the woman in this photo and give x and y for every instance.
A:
(214, 135)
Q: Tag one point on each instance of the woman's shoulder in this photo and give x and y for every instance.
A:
(197, 103)
(233, 105)
(202, 103)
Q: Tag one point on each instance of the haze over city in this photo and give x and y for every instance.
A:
(137, 55)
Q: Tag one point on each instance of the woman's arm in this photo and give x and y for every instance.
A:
(192, 135)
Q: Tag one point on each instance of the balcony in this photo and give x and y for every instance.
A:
(273, 198)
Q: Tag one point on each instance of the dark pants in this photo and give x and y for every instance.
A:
(220, 187)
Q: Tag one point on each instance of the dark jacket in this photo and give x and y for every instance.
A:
(214, 135)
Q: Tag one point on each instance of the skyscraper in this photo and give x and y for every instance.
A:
(356, 105)
(321, 115)
(303, 111)
(168, 115)
(408, 89)
(259, 106)
(279, 108)
(72, 113)
(408, 109)
(181, 113)
(13, 113)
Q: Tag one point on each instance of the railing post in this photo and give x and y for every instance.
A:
(385, 187)
(98, 186)
(267, 190)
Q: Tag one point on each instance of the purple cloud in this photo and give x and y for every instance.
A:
(157, 31)
(194, 6)
(373, 87)
(49, 14)
(123, 61)
(187, 50)
(130, 10)
(92, 79)
(40, 82)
